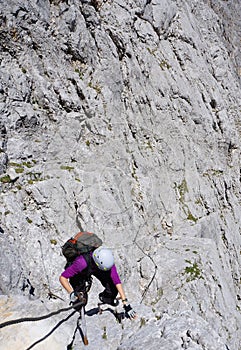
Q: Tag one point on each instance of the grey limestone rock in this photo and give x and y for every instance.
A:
(123, 118)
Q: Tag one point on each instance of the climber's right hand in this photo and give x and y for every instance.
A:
(73, 297)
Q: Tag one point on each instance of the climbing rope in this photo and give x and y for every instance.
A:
(30, 319)
(82, 330)
(152, 260)
(50, 294)
(55, 327)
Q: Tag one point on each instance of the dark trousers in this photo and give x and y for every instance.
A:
(79, 282)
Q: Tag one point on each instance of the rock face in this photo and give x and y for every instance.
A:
(123, 118)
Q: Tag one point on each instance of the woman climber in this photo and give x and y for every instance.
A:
(99, 263)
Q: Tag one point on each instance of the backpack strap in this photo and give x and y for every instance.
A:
(79, 234)
(87, 258)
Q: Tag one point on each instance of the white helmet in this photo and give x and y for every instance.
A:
(103, 258)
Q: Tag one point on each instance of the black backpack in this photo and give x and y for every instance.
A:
(81, 243)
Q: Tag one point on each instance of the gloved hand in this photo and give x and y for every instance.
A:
(72, 297)
(79, 298)
(82, 297)
(129, 311)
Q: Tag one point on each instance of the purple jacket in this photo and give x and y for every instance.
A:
(80, 264)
